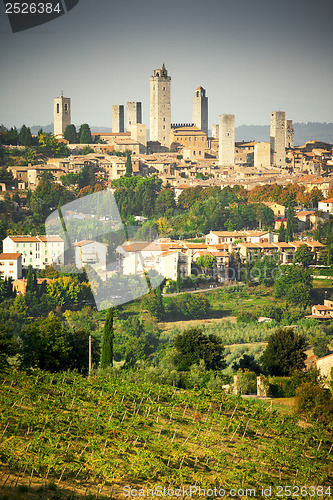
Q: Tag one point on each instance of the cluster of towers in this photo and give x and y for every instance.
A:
(281, 131)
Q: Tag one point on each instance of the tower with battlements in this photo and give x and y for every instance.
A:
(200, 110)
(160, 107)
(61, 114)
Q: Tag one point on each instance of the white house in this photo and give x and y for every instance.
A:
(326, 205)
(11, 265)
(37, 251)
(91, 252)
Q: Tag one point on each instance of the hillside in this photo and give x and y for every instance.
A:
(63, 435)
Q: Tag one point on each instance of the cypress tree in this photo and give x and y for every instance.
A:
(107, 344)
(129, 170)
(282, 232)
(31, 281)
(289, 230)
(85, 134)
(70, 134)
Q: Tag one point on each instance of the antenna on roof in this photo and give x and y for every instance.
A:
(62, 93)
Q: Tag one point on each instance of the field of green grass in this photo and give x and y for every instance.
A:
(64, 436)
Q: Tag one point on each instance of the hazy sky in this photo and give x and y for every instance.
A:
(252, 57)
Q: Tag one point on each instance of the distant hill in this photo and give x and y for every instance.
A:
(303, 132)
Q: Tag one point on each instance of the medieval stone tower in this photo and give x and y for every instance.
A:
(278, 138)
(289, 134)
(117, 118)
(160, 107)
(133, 114)
(200, 110)
(227, 140)
(61, 114)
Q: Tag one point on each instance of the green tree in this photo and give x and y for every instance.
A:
(25, 137)
(294, 284)
(206, 262)
(154, 304)
(193, 345)
(70, 134)
(45, 345)
(31, 280)
(320, 345)
(87, 150)
(247, 362)
(49, 145)
(290, 225)
(7, 347)
(282, 232)
(165, 201)
(303, 255)
(284, 353)
(129, 170)
(85, 134)
(107, 342)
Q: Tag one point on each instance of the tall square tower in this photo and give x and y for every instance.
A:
(227, 140)
(133, 114)
(117, 118)
(278, 138)
(160, 107)
(61, 114)
(289, 134)
(200, 110)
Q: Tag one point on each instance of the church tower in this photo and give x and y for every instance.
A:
(200, 110)
(160, 107)
(62, 114)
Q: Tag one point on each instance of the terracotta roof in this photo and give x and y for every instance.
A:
(21, 239)
(82, 243)
(322, 308)
(329, 200)
(195, 245)
(47, 239)
(10, 256)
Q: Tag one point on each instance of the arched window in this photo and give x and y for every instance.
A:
(57, 107)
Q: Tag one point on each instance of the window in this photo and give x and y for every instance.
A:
(2, 263)
(58, 109)
(163, 88)
(30, 260)
(11, 263)
(66, 108)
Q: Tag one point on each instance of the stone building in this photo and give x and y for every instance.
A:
(278, 138)
(261, 154)
(200, 110)
(227, 140)
(61, 115)
(289, 134)
(160, 107)
(133, 114)
(117, 118)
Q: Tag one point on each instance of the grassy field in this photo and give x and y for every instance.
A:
(63, 436)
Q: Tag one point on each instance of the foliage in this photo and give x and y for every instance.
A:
(315, 402)
(295, 284)
(66, 291)
(70, 134)
(320, 345)
(85, 134)
(25, 137)
(154, 304)
(107, 343)
(206, 262)
(303, 255)
(129, 170)
(50, 146)
(87, 150)
(45, 345)
(7, 347)
(189, 306)
(193, 346)
(282, 232)
(284, 353)
(247, 362)
(136, 341)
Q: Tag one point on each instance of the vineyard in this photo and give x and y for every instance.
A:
(64, 436)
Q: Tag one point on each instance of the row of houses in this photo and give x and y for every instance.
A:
(165, 256)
